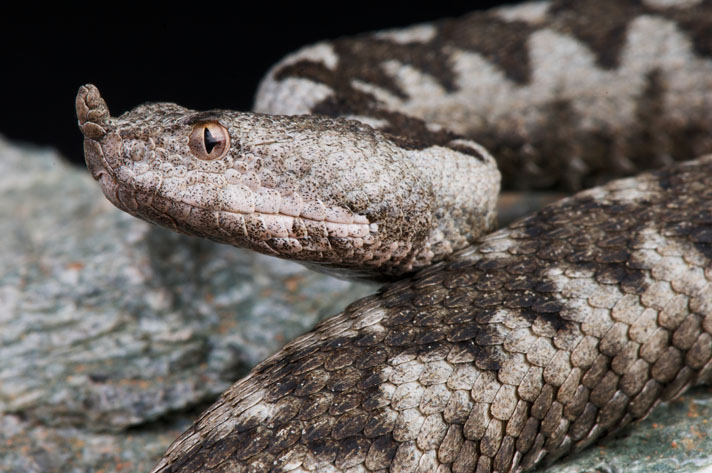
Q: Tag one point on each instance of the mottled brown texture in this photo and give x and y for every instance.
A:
(563, 149)
(530, 343)
(518, 350)
(331, 193)
(409, 132)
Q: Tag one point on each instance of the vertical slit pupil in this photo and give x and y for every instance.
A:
(210, 141)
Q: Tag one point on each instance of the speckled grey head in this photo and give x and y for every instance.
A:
(328, 192)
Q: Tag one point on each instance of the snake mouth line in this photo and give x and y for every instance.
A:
(276, 234)
(251, 224)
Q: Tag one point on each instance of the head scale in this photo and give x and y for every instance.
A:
(330, 193)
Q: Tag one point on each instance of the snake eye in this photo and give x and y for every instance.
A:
(209, 140)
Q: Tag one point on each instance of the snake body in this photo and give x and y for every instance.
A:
(489, 351)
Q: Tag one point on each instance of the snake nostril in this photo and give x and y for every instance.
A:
(92, 111)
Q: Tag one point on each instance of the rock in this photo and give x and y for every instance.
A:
(31, 447)
(108, 323)
(115, 334)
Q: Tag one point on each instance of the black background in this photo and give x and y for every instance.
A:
(206, 58)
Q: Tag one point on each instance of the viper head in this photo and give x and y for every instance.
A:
(328, 192)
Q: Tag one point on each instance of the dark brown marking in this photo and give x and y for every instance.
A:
(602, 26)
(504, 43)
(543, 157)
(697, 23)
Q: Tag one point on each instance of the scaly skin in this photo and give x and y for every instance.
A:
(513, 349)
(326, 192)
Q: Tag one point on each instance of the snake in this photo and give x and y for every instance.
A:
(380, 157)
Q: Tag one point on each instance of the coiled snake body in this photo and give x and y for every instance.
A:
(487, 353)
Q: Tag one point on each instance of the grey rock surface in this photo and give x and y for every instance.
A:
(108, 323)
(114, 334)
